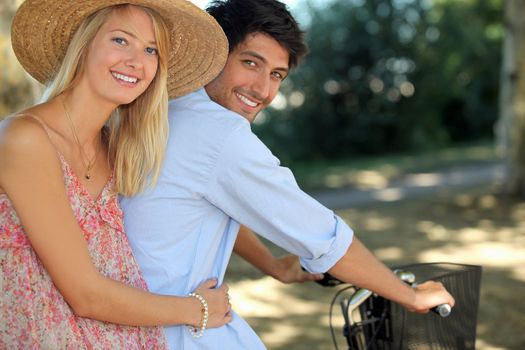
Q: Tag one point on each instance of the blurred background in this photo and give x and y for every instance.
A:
(408, 118)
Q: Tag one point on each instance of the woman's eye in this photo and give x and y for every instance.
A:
(120, 41)
(151, 51)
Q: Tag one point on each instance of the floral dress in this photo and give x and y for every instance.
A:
(33, 313)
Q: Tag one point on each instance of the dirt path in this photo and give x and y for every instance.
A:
(412, 186)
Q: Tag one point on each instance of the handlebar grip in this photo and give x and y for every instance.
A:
(442, 310)
(327, 280)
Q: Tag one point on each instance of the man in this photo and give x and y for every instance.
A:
(218, 175)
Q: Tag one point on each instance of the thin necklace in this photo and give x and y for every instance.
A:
(90, 163)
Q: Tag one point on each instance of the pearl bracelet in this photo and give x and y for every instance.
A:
(197, 332)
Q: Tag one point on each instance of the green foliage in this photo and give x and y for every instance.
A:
(15, 87)
(390, 75)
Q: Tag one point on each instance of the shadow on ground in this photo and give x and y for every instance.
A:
(472, 226)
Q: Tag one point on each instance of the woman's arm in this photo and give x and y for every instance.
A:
(285, 269)
(32, 178)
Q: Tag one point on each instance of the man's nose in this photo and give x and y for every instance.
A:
(262, 87)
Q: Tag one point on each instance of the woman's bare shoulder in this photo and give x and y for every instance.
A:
(21, 133)
(24, 142)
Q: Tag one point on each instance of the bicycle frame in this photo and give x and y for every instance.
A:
(367, 317)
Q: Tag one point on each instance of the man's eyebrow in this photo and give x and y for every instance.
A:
(263, 59)
(153, 42)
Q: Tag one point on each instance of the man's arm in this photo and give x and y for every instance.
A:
(249, 185)
(285, 269)
(359, 267)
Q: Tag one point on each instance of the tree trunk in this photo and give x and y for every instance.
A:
(510, 128)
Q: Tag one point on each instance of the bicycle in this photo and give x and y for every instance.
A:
(374, 323)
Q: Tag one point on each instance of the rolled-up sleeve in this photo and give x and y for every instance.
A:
(250, 186)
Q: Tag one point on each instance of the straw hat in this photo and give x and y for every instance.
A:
(42, 30)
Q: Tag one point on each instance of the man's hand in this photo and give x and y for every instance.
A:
(288, 270)
(429, 295)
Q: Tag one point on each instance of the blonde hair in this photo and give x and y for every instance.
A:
(138, 131)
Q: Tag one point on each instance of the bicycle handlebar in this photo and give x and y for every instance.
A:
(361, 295)
(442, 310)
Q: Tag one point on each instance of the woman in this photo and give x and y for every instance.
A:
(67, 277)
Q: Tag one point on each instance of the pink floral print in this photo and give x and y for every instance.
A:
(33, 313)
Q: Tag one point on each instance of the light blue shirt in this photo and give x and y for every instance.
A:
(218, 174)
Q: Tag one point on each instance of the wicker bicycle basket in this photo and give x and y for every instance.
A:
(429, 331)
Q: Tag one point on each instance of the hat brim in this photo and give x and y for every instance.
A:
(42, 29)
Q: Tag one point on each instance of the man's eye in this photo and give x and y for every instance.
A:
(278, 75)
(249, 63)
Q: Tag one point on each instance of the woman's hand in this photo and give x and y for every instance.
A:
(219, 307)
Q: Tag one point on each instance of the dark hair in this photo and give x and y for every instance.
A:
(238, 18)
